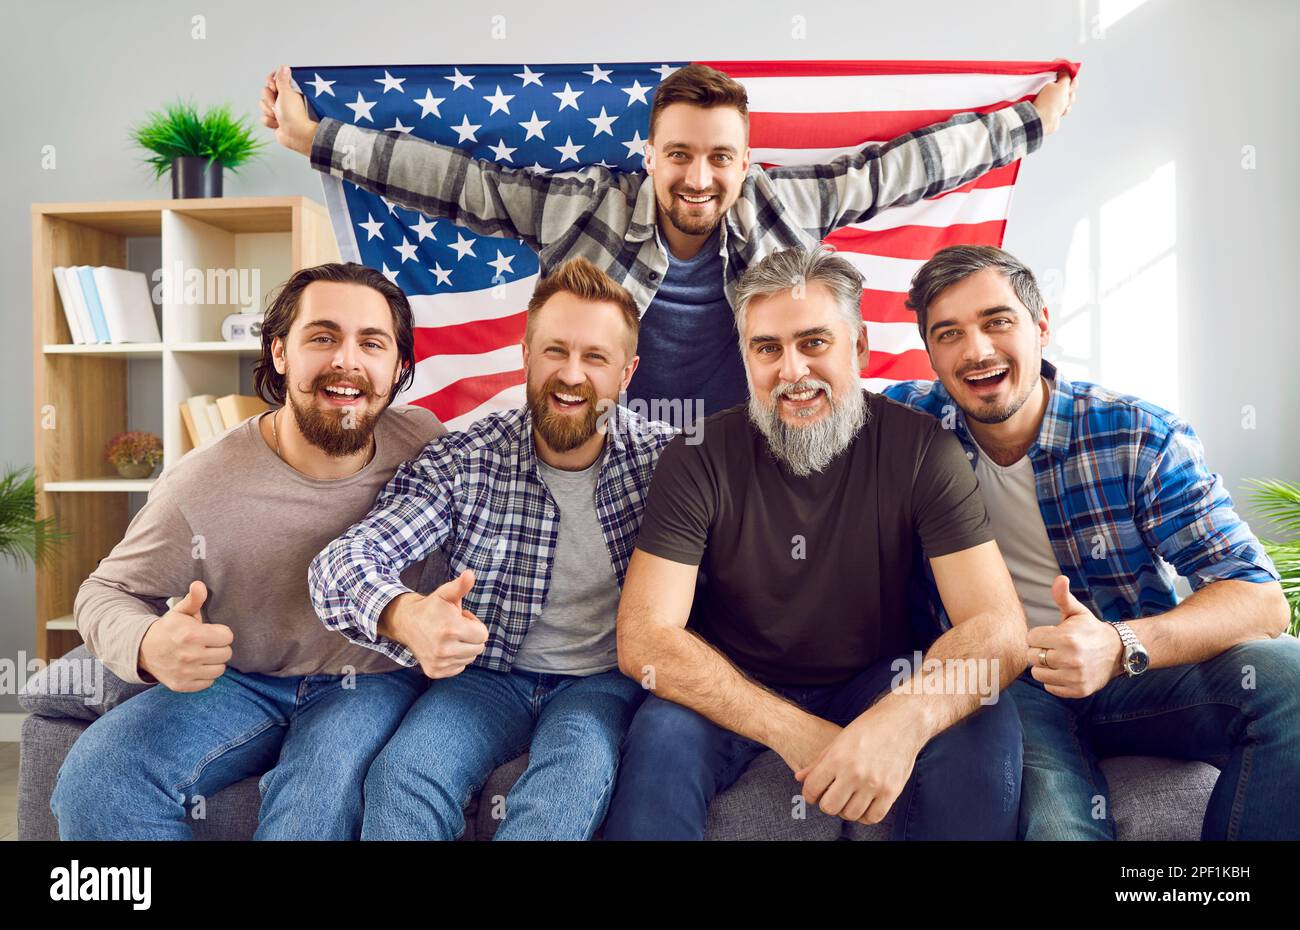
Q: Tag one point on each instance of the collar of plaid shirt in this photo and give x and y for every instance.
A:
(1125, 495)
(525, 515)
(1058, 417)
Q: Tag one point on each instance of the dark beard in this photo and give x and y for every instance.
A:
(1007, 412)
(336, 434)
(563, 433)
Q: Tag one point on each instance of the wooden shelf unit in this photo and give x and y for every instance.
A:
(81, 391)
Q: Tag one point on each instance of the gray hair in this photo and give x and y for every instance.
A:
(957, 263)
(790, 268)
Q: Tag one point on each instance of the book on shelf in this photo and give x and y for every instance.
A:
(72, 310)
(75, 308)
(200, 426)
(105, 305)
(86, 277)
(128, 311)
(236, 408)
(207, 417)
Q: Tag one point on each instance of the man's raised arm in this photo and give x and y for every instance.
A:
(434, 179)
(855, 187)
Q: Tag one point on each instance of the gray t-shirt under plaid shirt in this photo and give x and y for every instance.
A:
(574, 634)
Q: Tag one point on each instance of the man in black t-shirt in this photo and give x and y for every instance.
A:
(807, 510)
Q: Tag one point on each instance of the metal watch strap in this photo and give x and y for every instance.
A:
(1126, 635)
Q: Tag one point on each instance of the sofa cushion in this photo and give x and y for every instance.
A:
(1158, 799)
(78, 686)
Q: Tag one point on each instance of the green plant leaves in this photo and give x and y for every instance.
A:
(180, 131)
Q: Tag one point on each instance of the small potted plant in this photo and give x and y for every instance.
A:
(134, 454)
(196, 148)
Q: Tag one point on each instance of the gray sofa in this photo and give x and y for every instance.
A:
(1152, 798)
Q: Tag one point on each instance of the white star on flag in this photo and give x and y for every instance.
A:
(361, 109)
(429, 104)
(500, 102)
(568, 96)
(323, 86)
(373, 227)
(424, 229)
(460, 80)
(530, 77)
(391, 83)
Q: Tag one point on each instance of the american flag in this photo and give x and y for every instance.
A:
(468, 292)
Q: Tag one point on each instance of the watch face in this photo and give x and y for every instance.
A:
(1136, 662)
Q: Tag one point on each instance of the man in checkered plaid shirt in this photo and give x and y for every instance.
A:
(537, 510)
(681, 233)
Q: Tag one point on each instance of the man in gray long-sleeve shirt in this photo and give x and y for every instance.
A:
(261, 686)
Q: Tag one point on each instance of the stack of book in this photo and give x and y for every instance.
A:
(208, 417)
(105, 305)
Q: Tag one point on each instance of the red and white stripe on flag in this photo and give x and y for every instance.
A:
(810, 112)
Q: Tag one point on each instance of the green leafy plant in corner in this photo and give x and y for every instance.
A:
(1280, 502)
(23, 538)
(179, 130)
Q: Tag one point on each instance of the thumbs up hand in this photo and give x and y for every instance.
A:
(442, 634)
(180, 650)
(1077, 657)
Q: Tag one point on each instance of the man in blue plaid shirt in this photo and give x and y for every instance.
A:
(1093, 495)
(537, 510)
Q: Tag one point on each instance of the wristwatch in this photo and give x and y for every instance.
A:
(1135, 659)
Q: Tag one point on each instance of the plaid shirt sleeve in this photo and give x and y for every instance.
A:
(444, 181)
(1184, 512)
(853, 188)
(353, 579)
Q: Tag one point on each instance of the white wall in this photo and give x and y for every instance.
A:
(1173, 264)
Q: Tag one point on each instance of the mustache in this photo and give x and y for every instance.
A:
(798, 387)
(982, 367)
(555, 385)
(360, 382)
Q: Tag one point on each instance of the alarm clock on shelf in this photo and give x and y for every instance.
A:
(242, 327)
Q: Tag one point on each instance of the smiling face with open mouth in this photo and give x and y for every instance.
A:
(340, 362)
(985, 346)
(578, 359)
(801, 358)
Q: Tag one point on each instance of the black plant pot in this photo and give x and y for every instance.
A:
(192, 176)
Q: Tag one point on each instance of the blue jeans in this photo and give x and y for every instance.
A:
(1240, 711)
(965, 784)
(139, 771)
(465, 726)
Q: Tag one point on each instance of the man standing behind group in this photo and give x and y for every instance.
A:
(808, 508)
(679, 234)
(1091, 493)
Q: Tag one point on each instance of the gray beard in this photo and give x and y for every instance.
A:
(808, 449)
